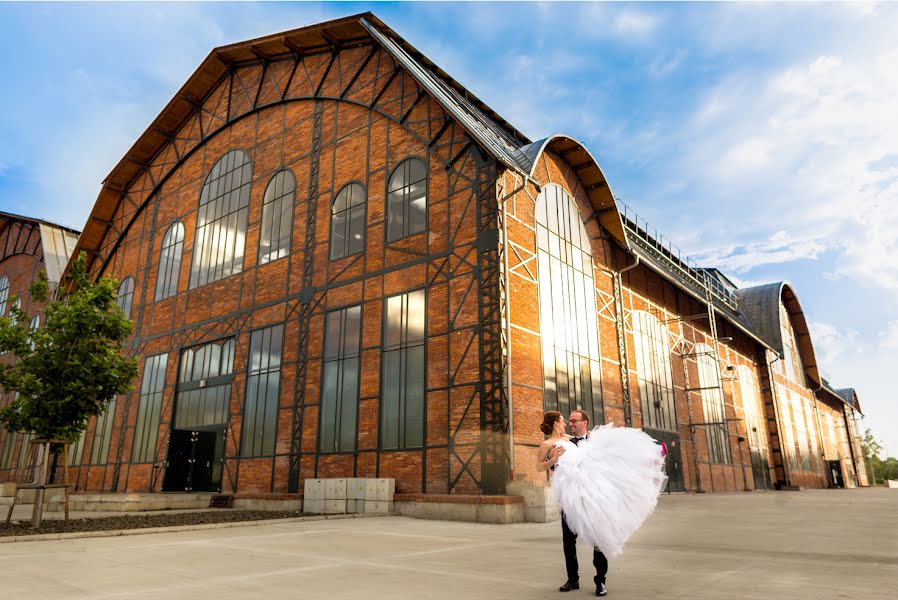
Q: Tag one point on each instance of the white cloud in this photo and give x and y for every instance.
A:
(635, 23)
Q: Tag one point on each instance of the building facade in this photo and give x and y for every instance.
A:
(27, 246)
(341, 263)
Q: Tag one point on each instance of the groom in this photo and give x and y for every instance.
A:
(579, 426)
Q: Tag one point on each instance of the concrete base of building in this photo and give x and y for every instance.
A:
(539, 501)
(128, 502)
(474, 509)
(272, 502)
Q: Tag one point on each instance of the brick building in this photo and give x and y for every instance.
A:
(27, 246)
(341, 263)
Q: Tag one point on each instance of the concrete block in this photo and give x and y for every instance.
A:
(334, 507)
(385, 490)
(335, 489)
(313, 489)
(357, 485)
(374, 507)
(370, 489)
(7, 489)
(313, 506)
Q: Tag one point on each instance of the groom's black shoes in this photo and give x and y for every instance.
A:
(600, 590)
(569, 585)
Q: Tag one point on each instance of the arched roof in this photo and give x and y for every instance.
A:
(761, 304)
(587, 169)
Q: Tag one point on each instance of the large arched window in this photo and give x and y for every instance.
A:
(4, 294)
(656, 390)
(126, 295)
(790, 366)
(567, 305)
(170, 262)
(348, 221)
(714, 421)
(221, 220)
(407, 200)
(277, 217)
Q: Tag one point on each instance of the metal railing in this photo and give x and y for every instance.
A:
(677, 262)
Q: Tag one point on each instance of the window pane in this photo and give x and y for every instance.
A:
(390, 399)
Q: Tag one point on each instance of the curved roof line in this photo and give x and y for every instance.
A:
(761, 304)
(591, 177)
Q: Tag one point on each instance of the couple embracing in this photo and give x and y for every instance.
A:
(607, 482)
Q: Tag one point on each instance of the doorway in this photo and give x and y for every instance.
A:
(195, 460)
(673, 464)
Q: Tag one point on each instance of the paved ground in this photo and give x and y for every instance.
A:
(792, 545)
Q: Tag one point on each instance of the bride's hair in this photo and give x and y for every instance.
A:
(549, 420)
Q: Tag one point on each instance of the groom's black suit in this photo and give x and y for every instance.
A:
(569, 539)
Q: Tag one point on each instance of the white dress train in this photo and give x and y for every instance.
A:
(608, 485)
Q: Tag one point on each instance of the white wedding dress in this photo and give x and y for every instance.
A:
(608, 485)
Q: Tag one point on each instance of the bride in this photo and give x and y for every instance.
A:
(606, 481)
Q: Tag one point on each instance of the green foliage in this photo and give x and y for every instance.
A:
(883, 469)
(67, 371)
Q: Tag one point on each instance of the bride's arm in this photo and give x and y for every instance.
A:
(547, 456)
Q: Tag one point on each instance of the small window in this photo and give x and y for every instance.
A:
(402, 398)
(4, 294)
(277, 217)
(170, 262)
(260, 409)
(407, 200)
(126, 296)
(348, 221)
(340, 385)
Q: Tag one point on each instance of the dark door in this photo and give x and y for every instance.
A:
(195, 461)
(835, 473)
(177, 468)
(759, 468)
(673, 463)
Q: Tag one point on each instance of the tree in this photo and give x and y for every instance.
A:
(67, 371)
(871, 449)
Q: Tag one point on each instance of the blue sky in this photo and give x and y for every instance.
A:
(761, 138)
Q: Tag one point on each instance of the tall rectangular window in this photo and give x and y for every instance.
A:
(6, 451)
(340, 379)
(402, 398)
(260, 409)
(713, 405)
(99, 452)
(656, 389)
(149, 408)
